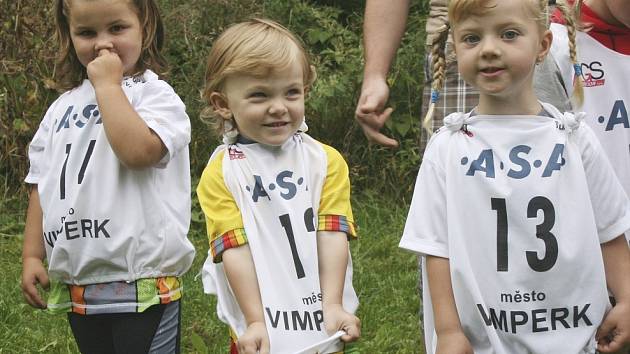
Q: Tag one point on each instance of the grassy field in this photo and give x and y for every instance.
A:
(384, 276)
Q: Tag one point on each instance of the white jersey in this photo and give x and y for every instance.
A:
(519, 205)
(606, 76)
(104, 222)
(278, 191)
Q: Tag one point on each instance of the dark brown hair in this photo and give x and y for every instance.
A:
(69, 72)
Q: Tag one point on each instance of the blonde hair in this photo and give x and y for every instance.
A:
(571, 17)
(459, 10)
(69, 72)
(254, 47)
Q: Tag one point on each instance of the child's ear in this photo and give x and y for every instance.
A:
(545, 45)
(220, 104)
(312, 77)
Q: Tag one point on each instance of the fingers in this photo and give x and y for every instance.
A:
(103, 51)
(353, 331)
(372, 123)
(253, 347)
(338, 319)
(609, 344)
(42, 277)
(369, 104)
(376, 137)
(34, 273)
(264, 346)
(609, 337)
(375, 119)
(247, 347)
(31, 294)
(604, 329)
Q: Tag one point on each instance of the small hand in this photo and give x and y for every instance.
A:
(371, 112)
(254, 340)
(105, 69)
(34, 273)
(453, 343)
(336, 319)
(614, 331)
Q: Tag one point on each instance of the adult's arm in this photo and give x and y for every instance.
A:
(383, 28)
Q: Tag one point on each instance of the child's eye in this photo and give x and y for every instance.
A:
(510, 34)
(257, 95)
(294, 92)
(117, 28)
(471, 39)
(85, 33)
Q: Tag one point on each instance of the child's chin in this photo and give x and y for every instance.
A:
(276, 141)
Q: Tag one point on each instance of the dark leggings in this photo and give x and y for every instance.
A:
(122, 332)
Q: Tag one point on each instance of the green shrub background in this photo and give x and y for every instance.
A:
(331, 30)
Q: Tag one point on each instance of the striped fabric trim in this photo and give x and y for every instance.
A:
(113, 297)
(230, 239)
(337, 223)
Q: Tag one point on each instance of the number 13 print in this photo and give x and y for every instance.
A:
(543, 232)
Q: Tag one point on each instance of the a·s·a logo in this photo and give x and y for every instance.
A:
(593, 74)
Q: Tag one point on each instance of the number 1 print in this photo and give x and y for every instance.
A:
(84, 164)
(285, 220)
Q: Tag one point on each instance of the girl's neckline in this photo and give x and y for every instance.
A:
(542, 113)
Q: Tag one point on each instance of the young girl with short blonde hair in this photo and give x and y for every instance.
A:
(276, 201)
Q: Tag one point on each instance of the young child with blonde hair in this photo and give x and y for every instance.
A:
(110, 204)
(276, 201)
(516, 209)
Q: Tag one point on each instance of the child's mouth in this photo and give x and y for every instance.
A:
(276, 124)
(491, 70)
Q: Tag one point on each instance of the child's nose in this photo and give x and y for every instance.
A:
(103, 43)
(277, 107)
(489, 48)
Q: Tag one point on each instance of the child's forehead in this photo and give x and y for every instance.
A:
(493, 13)
(90, 13)
(462, 9)
(82, 5)
(288, 74)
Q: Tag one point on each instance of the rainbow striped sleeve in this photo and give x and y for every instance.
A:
(230, 239)
(337, 223)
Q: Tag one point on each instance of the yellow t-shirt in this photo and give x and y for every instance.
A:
(223, 218)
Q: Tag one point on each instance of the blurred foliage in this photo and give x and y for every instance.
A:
(331, 30)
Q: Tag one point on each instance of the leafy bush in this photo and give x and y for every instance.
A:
(26, 58)
(331, 30)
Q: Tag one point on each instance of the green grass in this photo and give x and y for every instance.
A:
(384, 276)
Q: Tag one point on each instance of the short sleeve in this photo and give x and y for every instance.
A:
(335, 210)
(224, 222)
(37, 147)
(165, 113)
(426, 230)
(610, 204)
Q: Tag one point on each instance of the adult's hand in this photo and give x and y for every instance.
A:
(371, 112)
